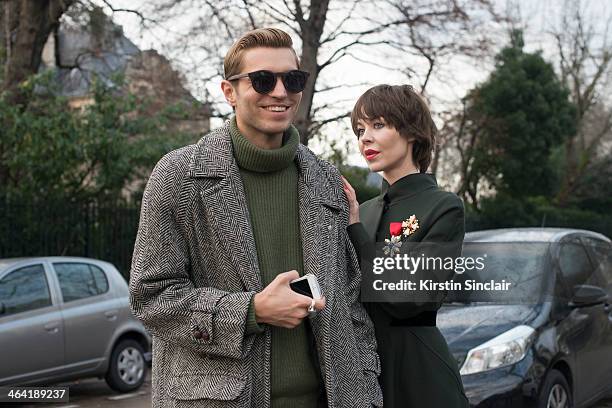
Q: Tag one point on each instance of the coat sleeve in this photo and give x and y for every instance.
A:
(363, 326)
(448, 228)
(162, 293)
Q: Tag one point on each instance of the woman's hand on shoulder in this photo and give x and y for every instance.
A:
(352, 200)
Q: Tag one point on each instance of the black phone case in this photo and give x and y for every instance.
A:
(302, 287)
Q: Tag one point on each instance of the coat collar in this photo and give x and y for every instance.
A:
(214, 158)
(408, 186)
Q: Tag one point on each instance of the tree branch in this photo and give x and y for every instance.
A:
(124, 10)
(316, 126)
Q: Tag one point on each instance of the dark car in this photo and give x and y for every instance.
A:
(554, 347)
(63, 318)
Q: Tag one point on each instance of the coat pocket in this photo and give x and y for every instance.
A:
(206, 386)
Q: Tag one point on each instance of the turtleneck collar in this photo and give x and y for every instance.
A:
(408, 185)
(253, 158)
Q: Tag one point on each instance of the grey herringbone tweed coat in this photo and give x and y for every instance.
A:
(195, 269)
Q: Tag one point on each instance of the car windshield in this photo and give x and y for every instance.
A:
(521, 264)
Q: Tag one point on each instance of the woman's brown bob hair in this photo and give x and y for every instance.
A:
(401, 107)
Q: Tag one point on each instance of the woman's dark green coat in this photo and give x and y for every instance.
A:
(417, 368)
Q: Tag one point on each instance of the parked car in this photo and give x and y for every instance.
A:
(63, 318)
(552, 351)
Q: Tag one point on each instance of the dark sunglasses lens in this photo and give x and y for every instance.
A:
(295, 81)
(263, 81)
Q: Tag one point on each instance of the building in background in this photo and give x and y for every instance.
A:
(80, 53)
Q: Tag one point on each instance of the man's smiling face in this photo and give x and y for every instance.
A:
(264, 116)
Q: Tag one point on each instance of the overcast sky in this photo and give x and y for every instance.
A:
(536, 16)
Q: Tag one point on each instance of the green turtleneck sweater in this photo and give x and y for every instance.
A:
(270, 179)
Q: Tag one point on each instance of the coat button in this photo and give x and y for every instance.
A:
(200, 334)
(205, 335)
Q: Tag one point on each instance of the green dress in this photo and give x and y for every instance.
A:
(417, 368)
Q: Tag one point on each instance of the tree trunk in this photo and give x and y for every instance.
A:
(28, 24)
(303, 120)
(25, 26)
(311, 31)
(568, 178)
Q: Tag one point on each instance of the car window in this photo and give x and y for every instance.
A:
(24, 289)
(80, 280)
(576, 268)
(601, 252)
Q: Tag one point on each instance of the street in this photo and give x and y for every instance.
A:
(94, 393)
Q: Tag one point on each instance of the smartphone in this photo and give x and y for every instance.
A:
(307, 285)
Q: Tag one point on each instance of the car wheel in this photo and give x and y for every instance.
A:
(127, 368)
(556, 392)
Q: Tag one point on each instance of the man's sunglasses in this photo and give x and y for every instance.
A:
(264, 81)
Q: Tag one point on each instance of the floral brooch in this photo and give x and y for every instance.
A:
(399, 230)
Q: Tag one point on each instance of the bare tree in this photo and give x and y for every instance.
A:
(433, 33)
(584, 61)
(387, 33)
(327, 31)
(461, 134)
(437, 31)
(220, 23)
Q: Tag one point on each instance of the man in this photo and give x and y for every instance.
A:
(226, 224)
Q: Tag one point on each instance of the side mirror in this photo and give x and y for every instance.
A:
(588, 295)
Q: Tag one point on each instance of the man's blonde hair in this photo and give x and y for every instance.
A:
(261, 37)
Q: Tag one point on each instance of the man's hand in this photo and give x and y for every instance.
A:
(278, 305)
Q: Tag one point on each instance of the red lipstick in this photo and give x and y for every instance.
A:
(370, 154)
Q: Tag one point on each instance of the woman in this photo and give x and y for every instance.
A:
(396, 136)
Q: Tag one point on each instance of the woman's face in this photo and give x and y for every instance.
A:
(383, 147)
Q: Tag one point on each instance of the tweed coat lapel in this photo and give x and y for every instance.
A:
(317, 204)
(225, 203)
